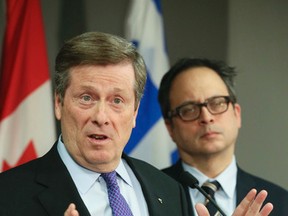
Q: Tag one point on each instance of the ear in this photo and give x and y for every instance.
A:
(57, 106)
(135, 115)
(237, 111)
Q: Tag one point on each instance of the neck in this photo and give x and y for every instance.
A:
(209, 165)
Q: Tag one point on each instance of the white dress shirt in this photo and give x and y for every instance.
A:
(92, 187)
(225, 196)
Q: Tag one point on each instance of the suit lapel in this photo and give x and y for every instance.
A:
(244, 184)
(59, 189)
(153, 187)
(176, 171)
(151, 198)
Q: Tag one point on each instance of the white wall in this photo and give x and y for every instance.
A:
(258, 47)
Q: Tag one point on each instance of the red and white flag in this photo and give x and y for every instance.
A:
(27, 123)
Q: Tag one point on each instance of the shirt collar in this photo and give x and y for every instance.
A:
(227, 178)
(122, 172)
(85, 178)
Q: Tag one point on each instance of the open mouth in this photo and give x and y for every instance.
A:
(98, 137)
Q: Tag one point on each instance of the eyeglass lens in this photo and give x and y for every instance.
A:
(215, 105)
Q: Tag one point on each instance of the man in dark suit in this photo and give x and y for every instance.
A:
(45, 187)
(199, 106)
(100, 80)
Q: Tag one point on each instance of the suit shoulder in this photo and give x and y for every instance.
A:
(17, 179)
(273, 189)
(174, 170)
(260, 182)
(21, 170)
(169, 170)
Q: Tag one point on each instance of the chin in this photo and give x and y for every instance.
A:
(100, 157)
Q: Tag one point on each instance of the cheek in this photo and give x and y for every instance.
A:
(133, 116)
(181, 132)
(125, 126)
(232, 128)
(129, 125)
(72, 119)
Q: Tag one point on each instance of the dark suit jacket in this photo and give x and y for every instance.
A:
(245, 182)
(45, 187)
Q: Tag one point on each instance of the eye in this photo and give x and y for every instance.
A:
(188, 109)
(117, 100)
(86, 99)
(217, 105)
(217, 102)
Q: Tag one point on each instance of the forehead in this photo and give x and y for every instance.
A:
(197, 84)
(107, 72)
(120, 76)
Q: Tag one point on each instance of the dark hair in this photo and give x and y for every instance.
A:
(226, 73)
(97, 48)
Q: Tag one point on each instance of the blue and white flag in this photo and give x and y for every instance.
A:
(150, 140)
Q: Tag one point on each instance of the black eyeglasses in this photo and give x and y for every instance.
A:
(191, 111)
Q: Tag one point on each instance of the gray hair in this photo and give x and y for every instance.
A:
(97, 48)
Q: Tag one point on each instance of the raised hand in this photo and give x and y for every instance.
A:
(249, 206)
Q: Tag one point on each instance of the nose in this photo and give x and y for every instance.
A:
(205, 116)
(100, 115)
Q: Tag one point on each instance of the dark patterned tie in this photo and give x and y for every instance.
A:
(117, 201)
(210, 188)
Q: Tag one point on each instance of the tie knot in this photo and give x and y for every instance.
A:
(211, 187)
(110, 178)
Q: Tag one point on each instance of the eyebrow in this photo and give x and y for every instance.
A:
(116, 89)
(194, 102)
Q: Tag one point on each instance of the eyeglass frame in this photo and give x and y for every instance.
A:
(176, 111)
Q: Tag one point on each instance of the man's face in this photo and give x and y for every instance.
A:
(209, 134)
(98, 114)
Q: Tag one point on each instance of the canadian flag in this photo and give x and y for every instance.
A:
(27, 123)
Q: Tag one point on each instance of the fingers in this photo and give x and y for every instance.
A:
(71, 210)
(243, 207)
(257, 204)
(267, 209)
(251, 205)
(201, 210)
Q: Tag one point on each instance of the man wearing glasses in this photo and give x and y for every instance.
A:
(200, 109)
